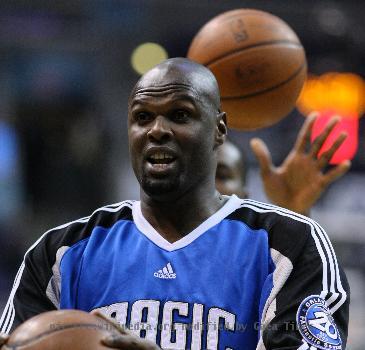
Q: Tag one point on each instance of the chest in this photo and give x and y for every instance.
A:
(205, 294)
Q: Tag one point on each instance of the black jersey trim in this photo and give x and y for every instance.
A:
(8, 314)
(333, 289)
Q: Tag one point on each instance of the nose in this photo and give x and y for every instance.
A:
(160, 130)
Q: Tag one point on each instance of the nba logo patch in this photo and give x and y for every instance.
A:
(316, 324)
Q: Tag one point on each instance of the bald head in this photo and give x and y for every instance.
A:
(180, 73)
(174, 130)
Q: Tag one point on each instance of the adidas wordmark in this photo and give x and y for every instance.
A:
(166, 272)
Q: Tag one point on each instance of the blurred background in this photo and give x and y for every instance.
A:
(65, 76)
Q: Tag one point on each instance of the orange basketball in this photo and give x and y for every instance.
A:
(60, 330)
(259, 63)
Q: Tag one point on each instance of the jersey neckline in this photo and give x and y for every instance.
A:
(149, 231)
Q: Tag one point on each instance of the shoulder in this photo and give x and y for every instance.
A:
(288, 232)
(259, 215)
(72, 232)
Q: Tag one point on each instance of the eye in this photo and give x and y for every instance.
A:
(143, 117)
(180, 116)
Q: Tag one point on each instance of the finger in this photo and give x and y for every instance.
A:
(304, 135)
(109, 321)
(327, 155)
(128, 342)
(262, 154)
(3, 338)
(336, 172)
(322, 137)
(120, 341)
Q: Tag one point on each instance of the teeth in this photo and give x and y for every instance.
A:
(161, 156)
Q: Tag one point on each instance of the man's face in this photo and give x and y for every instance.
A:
(171, 139)
(229, 175)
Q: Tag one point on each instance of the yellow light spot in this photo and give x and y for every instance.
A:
(146, 56)
(343, 93)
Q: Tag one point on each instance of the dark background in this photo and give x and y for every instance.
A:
(65, 75)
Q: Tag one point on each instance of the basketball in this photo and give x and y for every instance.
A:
(60, 330)
(259, 64)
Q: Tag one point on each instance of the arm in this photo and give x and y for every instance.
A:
(37, 285)
(300, 180)
(308, 305)
(29, 294)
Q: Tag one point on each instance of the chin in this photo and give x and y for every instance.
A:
(160, 188)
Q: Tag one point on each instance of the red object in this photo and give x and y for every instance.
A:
(348, 124)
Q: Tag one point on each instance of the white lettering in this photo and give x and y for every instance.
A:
(144, 316)
(150, 325)
(214, 316)
(197, 327)
(180, 330)
(322, 323)
(117, 312)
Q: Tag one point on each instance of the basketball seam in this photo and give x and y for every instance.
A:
(267, 89)
(263, 43)
(249, 12)
(55, 330)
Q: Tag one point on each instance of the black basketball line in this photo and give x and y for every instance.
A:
(267, 89)
(263, 43)
(249, 12)
(56, 329)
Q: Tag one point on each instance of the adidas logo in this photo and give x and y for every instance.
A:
(166, 272)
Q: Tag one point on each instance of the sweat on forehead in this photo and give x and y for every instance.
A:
(180, 73)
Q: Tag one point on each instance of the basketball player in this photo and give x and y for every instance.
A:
(186, 267)
(298, 182)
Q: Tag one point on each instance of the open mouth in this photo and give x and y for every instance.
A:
(160, 158)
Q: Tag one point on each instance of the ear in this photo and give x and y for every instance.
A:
(221, 129)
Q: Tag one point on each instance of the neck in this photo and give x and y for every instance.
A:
(175, 218)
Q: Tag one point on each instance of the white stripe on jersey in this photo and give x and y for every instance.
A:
(9, 307)
(317, 233)
(11, 319)
(258, 205)
(8, 315)
(283, 269)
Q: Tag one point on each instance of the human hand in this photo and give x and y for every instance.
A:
(125, 339)
(3, 338)
(300, 180)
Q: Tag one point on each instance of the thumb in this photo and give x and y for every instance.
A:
(262, 154)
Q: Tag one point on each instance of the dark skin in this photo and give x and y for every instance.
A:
(298, 182)
(230, 171)
(171, 113)
(174, 129)
(184, 122)
(174, 111)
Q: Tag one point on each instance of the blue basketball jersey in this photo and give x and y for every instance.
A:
(234, 282)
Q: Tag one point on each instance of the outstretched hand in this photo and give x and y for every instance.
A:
(125, 339)
(300, 180)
